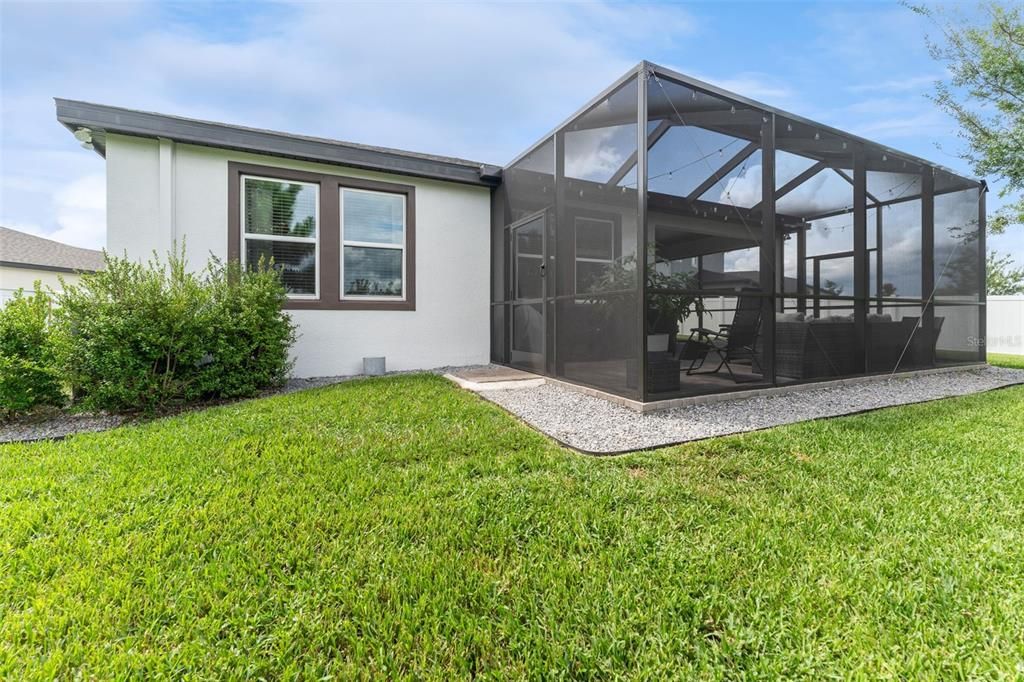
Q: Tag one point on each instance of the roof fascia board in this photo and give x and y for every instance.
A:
(73, 114)
(47, 268)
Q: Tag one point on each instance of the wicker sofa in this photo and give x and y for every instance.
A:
(829, 347)
(812, 349)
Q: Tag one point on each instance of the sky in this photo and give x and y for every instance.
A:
(471, 79)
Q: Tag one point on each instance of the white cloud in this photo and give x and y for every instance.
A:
(743, 189)
(743, 260)
(925, 122)
(480, 81)
(80, 209)
(898, 85)
(591, 157)
(755, 86)
(30, 228)
(768, 88)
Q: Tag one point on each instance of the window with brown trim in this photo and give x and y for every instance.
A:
(341, 243)
(372, 244)
(280, 225)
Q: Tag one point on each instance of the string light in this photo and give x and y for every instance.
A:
(906, 186)
(683, 121)
(825, 228)
(719, 151)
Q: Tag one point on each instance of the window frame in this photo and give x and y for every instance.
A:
(280, 237)
(370, 245)
(329, 253)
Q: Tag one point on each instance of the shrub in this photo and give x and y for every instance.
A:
(250, 336)
(135, 336)
(27, 374)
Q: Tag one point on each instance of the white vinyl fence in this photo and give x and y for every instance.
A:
(1005, 333)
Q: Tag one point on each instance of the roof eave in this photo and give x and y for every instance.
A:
(47, 268)
(74, 114)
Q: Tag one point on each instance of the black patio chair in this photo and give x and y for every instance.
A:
(732, 342)
(921, 348)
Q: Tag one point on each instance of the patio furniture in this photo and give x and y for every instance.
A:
(821, 347)
(829, 347)
(886, 343)
(922, 346)
(662, 372)
(732, 342)
(692, 351)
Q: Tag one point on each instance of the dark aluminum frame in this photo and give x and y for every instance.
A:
(585, 341)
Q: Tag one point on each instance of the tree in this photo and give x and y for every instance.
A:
(985, 94)
(832, 288)
(1000, 278)
(272, 205)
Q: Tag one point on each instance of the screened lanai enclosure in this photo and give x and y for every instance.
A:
(673, 239)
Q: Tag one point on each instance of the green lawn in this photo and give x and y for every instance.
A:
(399, 527)
(1003, 360)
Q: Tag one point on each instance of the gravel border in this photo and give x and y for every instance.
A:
(597, 426)
(56, 424)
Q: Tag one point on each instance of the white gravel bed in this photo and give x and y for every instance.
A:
(597, 425)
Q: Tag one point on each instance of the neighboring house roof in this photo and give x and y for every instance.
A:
(101, 119)
(21, 250)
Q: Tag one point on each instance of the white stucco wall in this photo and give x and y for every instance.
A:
(133, 197)
(450, 325)
(12, 279)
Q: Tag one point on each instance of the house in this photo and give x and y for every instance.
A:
(26, 259)
(670, 239)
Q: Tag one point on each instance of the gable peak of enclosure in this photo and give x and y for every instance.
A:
(673, 239)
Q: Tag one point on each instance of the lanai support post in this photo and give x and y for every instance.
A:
(768, 259)
(928, 256)
(982, 338)
(860, 253)
(643, 81)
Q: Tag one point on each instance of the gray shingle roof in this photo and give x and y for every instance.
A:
(18, 249)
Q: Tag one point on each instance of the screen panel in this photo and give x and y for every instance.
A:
(594, 269)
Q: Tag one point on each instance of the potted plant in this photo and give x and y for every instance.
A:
(667, 303)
